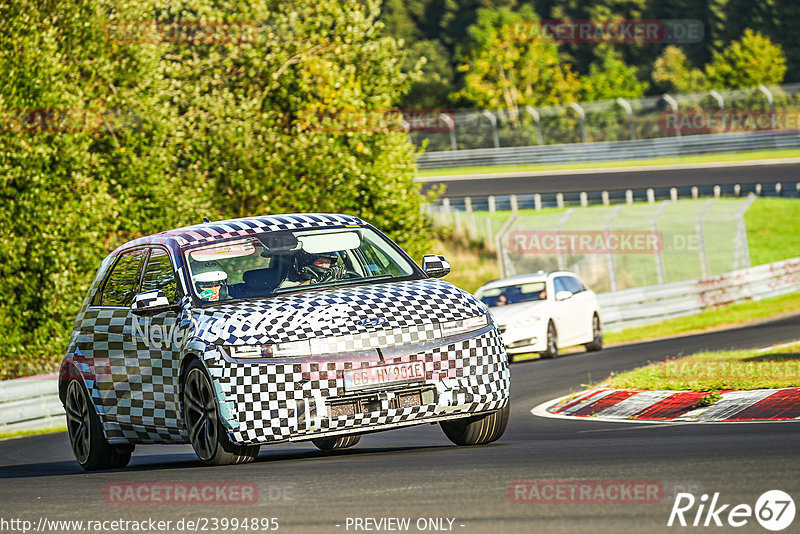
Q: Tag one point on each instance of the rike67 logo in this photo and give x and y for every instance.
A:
(774, 510)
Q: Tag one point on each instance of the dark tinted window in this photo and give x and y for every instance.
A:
(572, 284)
(559, 284)
(159, 275)
(123, 282)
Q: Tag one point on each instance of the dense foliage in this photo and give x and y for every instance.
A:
(126, 118)
(744, 42)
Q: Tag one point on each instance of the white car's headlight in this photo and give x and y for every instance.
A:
(278, 350)
(527, 322)
(462, 326)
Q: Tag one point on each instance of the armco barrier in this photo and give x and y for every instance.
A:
(32, 403)
(610, 151)
(642, 305)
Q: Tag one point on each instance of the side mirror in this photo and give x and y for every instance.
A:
(151, 303)
(435, 266)
(563, 295)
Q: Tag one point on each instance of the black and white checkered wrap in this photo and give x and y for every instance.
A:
(280, 401)
(131, 364)
(150, 299)
(216, 231)
(342, 319)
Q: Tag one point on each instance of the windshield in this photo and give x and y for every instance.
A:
(274, 263)
(513, 294)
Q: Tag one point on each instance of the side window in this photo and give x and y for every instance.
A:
(559, 284)
(123, 282)
(159, 275)
(573, 284)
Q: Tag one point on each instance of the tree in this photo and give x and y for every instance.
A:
(672, 73)
(611, 78)
(508, 63)
(748, 62)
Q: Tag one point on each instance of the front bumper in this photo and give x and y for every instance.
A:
(272, 402)
(521, 340)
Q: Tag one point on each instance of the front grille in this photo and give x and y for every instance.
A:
(372, 402)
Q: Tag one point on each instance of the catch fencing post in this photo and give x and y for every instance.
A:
(701, 243)
(493, 121)
(628, 111)
(451, 125)
(582, 117)
(538, 121)
(673, 104)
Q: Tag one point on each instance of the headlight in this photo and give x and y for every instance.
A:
(452, 328)
(278, 350)
(527, 322)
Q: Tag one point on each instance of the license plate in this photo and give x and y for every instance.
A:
(383, 374)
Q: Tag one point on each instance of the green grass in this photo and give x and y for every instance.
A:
(773, 229)
(705, 158)
(715, 371)
(733, 314)
(21, 433)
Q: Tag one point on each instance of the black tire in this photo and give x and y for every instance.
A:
(552, 342)
(335, 442)
(201, 417)
(85, 431)
(597, 336)
(478, 430)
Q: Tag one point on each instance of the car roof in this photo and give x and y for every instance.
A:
(216, 230)
(524, 279)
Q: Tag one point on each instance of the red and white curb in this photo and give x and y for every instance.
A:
(640, 406)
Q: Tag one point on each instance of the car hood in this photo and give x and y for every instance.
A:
(505, 315)
(365, 310)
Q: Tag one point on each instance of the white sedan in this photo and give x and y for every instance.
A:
(544, 312)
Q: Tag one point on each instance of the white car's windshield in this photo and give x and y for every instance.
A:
(513, 294)
(274, 263)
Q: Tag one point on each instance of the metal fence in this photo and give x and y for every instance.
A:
(624, 246)
(30, 403)
(645, 305)
(605, 121)
(610, 151)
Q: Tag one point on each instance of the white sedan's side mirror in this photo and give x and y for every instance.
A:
(563, 295)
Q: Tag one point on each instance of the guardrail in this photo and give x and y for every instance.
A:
(33, 403)
(644, 305)
(30, 403)
(611, 150)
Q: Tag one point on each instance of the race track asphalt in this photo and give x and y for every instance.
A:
(565, 182)
(416, 473)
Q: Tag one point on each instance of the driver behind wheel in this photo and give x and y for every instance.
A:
(315, 269)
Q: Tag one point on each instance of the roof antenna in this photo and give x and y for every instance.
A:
(206, 220)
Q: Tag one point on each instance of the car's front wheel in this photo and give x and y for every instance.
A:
(597, 336)
(336, 442)
(206, 433)
(85, 432)
(552, 342)
(478, 430)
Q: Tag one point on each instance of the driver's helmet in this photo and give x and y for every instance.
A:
(307, 264)
(209, 280)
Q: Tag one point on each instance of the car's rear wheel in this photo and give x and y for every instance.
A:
(201, 416)
(552, 342)
(597, 336)
(336, 442)
(478, 430)
(85, 431)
